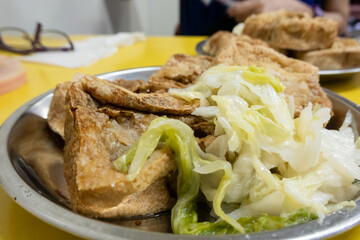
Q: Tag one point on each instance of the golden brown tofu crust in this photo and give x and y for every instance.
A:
(160, 103)
(344, 53)
(221, 39)
(292, 30)
(56, 114)
(98, 127)
(179, 71)
(93, 139)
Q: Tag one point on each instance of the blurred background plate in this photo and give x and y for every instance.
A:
(199, 47)
(325, 75)
(31, 172)
(335, 75)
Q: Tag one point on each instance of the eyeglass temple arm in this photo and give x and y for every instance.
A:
(37, 33)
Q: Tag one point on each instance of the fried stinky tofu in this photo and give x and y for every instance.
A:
(292, 30)
(178, 108)
(98, 128)
(301, 79)
(179, 71)
(344, 53)
(222, 39)
(161, 103)
(57, 112)
(135, 86)
(103, 119)
(96, 135)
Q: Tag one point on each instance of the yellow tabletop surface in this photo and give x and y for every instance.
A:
(15, 222)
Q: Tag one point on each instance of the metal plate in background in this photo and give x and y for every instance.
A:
(337, 75)
(199, 47)
(31, 173)
(325, 75)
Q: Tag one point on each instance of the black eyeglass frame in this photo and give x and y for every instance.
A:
(36, 44)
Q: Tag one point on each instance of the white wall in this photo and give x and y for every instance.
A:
(154, 17)
(164, 16)
(71, 16)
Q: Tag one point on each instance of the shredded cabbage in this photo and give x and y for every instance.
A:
(180, 138)
(263, 161)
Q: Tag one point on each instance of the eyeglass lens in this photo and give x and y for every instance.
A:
(53, 39)
(16, 39)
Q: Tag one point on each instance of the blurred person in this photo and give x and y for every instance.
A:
(334, 9)
(354, 18)
(201, 17)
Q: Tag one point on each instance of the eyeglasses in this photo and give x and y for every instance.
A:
(17, 40)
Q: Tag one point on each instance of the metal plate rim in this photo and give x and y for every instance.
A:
(65, 219)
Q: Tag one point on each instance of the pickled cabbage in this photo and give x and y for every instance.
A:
(263, 161)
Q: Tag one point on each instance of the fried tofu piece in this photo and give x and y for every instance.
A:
(57, 111)
(98, 130)
(198, 124)
(56, 114)
(160, 103)
(301, 79)
(222, 39)
(344, 53)
(292, 30)
(95, 136)
(135, 86)
(179, 71)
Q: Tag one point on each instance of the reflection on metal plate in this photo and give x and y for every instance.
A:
(31, 170)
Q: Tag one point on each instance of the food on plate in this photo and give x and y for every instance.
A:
(300, 78)
(344, 53)
(12, 74)
(291, 30)
(241, 132)
(159, 103)
(179, 71)
(262, 162)
(57, 112)
(92, 140)
(295, 34)
(100, 120)
(222, 39)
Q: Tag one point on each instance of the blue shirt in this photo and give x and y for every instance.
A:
(312, 2)
(198, 19)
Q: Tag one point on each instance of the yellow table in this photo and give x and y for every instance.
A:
(16, 223)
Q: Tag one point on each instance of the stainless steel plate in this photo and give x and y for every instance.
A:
(325, 75)
(336, 75)
(199, 46)
(31, 173)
